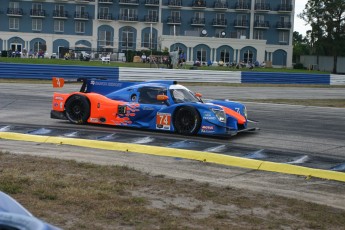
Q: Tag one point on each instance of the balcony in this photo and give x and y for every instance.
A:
(152, 3)
(37, 13)
(105, 16)
(199, 4)
(263, 7)
(83, 1)
(81, 16)
(219, 22)
(128, 18)
(242, 6)
(282, 8)
(174, 20)
(129, 2)
(60, 14)
(241, 23)
(175, 3)
(283, 25)
(150, 19)
(261, 24)
(218, 5)
(198, 22)
(105, 1)
(15, 12)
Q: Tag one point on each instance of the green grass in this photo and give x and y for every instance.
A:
(143, 65)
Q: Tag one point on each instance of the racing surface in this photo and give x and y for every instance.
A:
(306, 136)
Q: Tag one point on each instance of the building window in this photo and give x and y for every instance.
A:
(39, 46)
(283, 37)
(148, 42)
(129, 14)
(201, 55)
(153, 15)
(37, 7)
(80, 10)
(105, 38)
(248, 56)
(175, 30)
(241, 33)
(14, 5)
(59, 26)
(79, 27)
(14, 23)
(127, 39)
(259, 34)
(225, 56)
(36, 24)
(220, 33)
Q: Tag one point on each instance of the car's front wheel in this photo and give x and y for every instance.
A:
(77, 109)
(187, 120)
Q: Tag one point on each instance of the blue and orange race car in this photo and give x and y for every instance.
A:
(154, 105)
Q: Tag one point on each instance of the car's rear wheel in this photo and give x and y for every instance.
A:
(77, 109)
(187, 120)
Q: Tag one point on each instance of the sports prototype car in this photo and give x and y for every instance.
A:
(154, 105)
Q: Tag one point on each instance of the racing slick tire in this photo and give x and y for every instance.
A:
(77, 109)
(187, 120)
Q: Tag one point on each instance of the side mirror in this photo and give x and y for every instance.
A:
(199, 95)
(162, 97)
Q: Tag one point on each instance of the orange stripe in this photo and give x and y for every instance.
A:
(240, 119)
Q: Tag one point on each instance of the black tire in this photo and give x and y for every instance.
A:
(187, 120)
(77, 109)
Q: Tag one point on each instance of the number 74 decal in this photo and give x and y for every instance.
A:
(163, 121)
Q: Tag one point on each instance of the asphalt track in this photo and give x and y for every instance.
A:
(312, 137)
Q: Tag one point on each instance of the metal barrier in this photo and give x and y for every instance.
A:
(31, 71)
(285, 78)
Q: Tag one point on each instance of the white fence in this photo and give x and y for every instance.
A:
(183, 75)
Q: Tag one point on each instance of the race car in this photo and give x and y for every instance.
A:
(153, 105)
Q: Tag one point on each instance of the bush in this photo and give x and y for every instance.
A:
(298, 66)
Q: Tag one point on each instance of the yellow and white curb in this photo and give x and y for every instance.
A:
(181, 153)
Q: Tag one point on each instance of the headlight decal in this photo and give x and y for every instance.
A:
(220, 114)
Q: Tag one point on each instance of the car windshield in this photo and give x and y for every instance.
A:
(183, 95)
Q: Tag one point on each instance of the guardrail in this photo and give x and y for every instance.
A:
(31, 71)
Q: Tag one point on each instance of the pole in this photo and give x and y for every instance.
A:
(151, 44)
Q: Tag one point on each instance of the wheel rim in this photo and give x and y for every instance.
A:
(76, 111)
(186, 121)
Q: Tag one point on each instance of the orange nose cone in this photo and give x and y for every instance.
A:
(240, 118)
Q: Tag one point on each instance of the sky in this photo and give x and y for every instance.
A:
(299, 24)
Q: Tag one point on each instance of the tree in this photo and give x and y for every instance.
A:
(300, 46)
(327, 21)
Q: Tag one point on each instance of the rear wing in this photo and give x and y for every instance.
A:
(102, 85)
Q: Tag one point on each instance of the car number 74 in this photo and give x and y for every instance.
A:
(163, 121)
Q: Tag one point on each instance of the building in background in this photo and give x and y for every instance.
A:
(216, 30)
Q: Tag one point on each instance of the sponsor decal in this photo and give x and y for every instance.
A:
(207, 129)
(209, 118)
(100, 83)
(58, 98)
(94, 120)
(61, 105)
(148, 108)
(163, 121)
